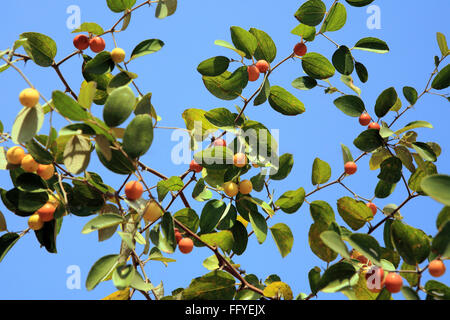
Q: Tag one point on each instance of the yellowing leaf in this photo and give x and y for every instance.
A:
(119, 295)
(277, 289)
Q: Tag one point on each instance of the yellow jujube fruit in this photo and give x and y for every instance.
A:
(35, 222)
(15, 155)
(245, 186)
(29, 97)
(240, 160)
(29, 164)
(46, 171)
(118, 55)
(231, 189)
(152, 212)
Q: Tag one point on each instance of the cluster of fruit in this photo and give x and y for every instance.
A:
(134, 191)
(240, 160)
(97, 45)
(376, 278)
(16, 156)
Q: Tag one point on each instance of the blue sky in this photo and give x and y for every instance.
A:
(29, 272)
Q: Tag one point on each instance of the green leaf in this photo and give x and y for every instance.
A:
(101, 269)
(102, 63)
(425, 151)
(263, 94)
(89, 27)
(348, 81)
(189, 218)
(215, 158)
(355, 213)
(244, 41)
(240, 238)
(335, 243)
(378, 157)
(221, 118)
(308, 33)
(414, 125)
(119, 106)
(138, 136)
(412, 278)
(311, 12)
(283, 237)
(216, 285)
(321, 212)
(68, 107)
(222, 239)
(343, 61)
(352, 106)
(367, 246)
(165, 8)
(266, 49)
(337, 277)
(146, 47)
(200, 192)
(391, 170)
(291, 201)
(412, 244)
(410, 94)
(359, 3)
(286, 162)
(278, 289)
(372, 44)
(87, 94)
(39, 154)
(40, 48)
(284, 102)
(259, 226)
(119, 163)
(120, 5)
(227, 86)
(123, 276)
(362, 72)
(384, 189)
(225, 44)
(437, 290)
(443, 217)
(336, 18)
(442, 79)
(7, 241)
(211, 214)
(101, 222)
(427, 169)
(385, 101)
(27, 124)
(77, 154)
(213, 67)
(317, 66)
(139, 284)
(304, 83)
(123, 78)
(321, 172)
(346, 154)
(165, 186)
(318, 247)
(368, 140)
(441, 242)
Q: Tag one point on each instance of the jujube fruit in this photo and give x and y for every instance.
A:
(245, 186)
(230, 188)
(300, 49)
(393, 282)
(220, 143)
(350, 167)
(253, 73)
(240, 160)
(46, 171)
(35, 222)
(29, 164)
(186, 245)
(46, 212)
(194, 166)
(15, 155)
(263, 66)
(374, 125)
(81, 42)
(365, 119)
(97, 44)
(134, 190)
(29, 97)
(118, 55)
(436, 268)
(372, 207)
